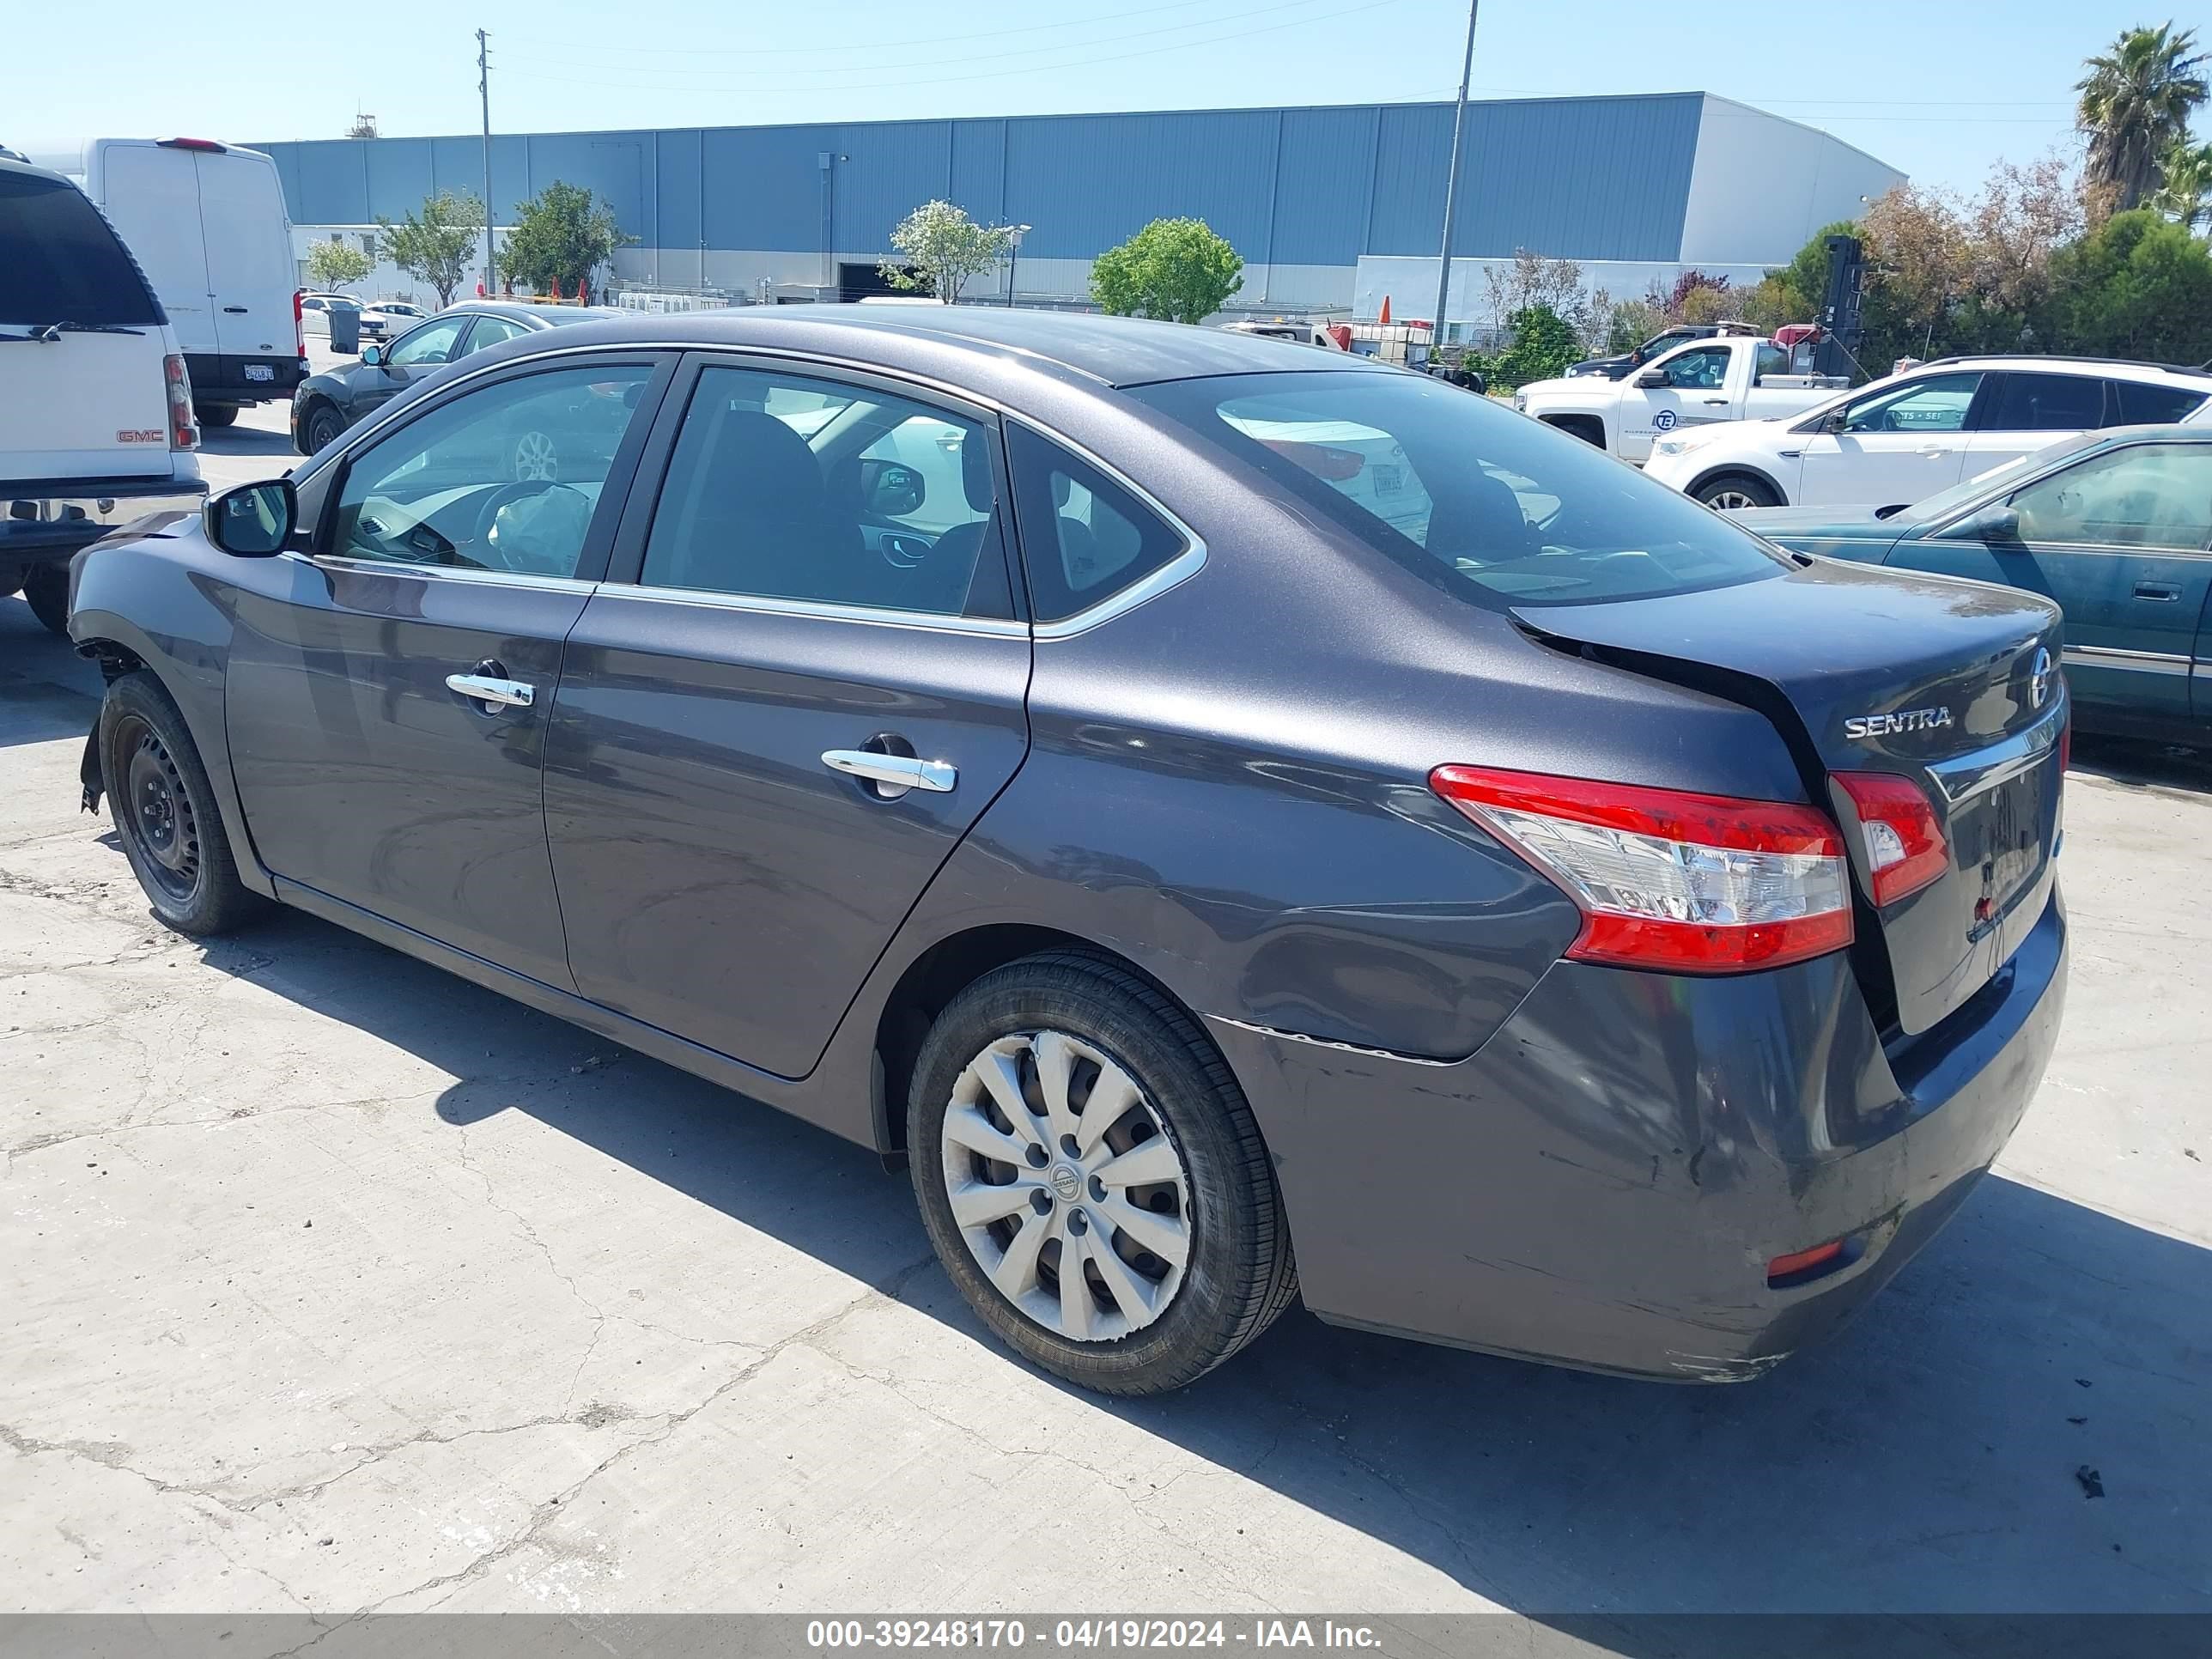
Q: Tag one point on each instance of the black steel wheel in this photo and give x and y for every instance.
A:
(46, 589)
(165, 811)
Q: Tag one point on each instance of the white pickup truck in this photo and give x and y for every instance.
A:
(1733, 379)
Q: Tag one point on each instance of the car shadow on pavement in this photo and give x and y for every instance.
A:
(2018, 1424)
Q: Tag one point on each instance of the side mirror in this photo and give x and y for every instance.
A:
(253, 520)
(1995, 523)
(373, 355)
(892, 488)
(1652, 377)
(1839, 422)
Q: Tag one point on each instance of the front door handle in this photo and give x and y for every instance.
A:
(492, 691)
(893, 771)
(2161, 591)
(1718, 401)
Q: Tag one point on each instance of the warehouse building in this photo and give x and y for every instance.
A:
(1332, 208)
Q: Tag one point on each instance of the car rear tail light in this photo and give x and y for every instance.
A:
(300, 325)
(1686, 883)
(184, 430)
(1904, 845)
(208, 144)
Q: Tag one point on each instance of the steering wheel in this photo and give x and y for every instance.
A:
(484, 544)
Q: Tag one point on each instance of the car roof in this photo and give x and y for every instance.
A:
(1114, 351)
(540, 316)
(2112, 367)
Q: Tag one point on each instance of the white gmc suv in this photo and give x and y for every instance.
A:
(96, 427)
(1898, 439)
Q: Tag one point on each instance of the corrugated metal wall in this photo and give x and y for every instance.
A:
(1591, 179)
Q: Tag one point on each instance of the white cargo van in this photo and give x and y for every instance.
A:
(207, 222)
(95, 413)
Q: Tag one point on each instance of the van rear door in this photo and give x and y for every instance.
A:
(249, 260)
(151, 196)
(81, 387)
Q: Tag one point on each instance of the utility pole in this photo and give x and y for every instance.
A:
(1451, 188)
(483, 91)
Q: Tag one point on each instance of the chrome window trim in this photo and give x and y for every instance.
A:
(1177, 570)
(342, 562)
(2142, 662)
(1964, 776)
(932, 621)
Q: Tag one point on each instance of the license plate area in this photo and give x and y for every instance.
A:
(260, 372)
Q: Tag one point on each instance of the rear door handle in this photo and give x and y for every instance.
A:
(492, 691)
(2157, 591)
(1714, 400)
(894, 771)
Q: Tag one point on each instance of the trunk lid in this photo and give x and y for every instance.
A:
(1953, 684)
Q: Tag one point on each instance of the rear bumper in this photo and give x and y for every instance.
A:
(1603, 1183)
(68, 513)
(221, 378)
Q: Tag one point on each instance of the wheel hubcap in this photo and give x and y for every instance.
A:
(1067, 1189)
(535, 459)
(160, 813)
(1731, 498)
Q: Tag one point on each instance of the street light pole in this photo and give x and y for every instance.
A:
(1451, 188)
(483, 91)
(1013, 257)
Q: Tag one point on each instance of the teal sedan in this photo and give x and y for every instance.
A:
(2115, 525)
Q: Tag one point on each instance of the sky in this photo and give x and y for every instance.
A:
(1941, 88)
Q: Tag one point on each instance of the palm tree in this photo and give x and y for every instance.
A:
(2187, 193)
(2135, 103)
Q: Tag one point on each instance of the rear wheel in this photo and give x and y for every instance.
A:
(46, 587)
(215, 414)
(165, 811)
(1734, 489)
(1092, 1178)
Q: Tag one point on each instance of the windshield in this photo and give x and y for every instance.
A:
(1944, 502)
(59, 262)
(1487, 505)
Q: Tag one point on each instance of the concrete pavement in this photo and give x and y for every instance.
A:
(333, 1283)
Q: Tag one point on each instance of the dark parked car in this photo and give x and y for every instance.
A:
(1617, 368)
(1207, 804)
(326, 404)
(2115, 527)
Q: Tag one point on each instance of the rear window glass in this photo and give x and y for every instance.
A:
(2047, 402)
(1083, 536)
(2153, 406)
(1488, 505)
(59, 262)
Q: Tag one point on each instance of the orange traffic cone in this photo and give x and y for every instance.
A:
(1384, 319)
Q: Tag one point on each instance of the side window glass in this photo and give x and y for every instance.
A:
(787, 488)
(1938, 404)
(2047, 403)
(433, 343)
(491, 331)
(1083, 536)
(505, 477)
(1772, 359)
(2139, 404)
(1699, 371)
(2146, 495)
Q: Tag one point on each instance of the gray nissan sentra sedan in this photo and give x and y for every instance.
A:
(1244, 824)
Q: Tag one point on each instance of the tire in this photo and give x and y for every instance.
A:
(215, 414)
(1154, 1325)
(1734, 489)
(165, 812)
(46, 589)
(324, 426)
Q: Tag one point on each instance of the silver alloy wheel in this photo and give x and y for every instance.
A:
(1065, 1186)
(536, 459)
(1726, 500)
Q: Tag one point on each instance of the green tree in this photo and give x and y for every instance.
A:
(2186, 195)
(2134, 107)
(437, 243)
(1174, 269)
(561, 236)
(942, 247)
(334, 264)
(2137, 287)
(1543, 344)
